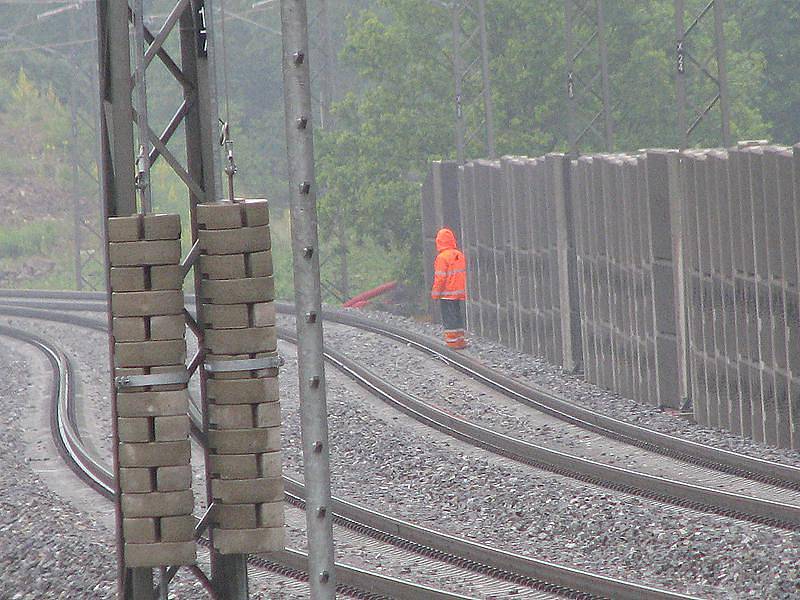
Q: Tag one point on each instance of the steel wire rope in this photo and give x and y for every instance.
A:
(225, 134)
(223, 41)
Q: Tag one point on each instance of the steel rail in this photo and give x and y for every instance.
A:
(704, 455)
(734, 463)
(696, 497)
(354, 582)
(763, 471)
(63, 422)
(686, 495)
(494, 562)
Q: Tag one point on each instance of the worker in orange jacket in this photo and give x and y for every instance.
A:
(450, 287)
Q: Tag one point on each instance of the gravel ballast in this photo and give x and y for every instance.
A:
(87, 347)
(386, 461)
(536, 371)
(444, 387)
(445, 484)
(48, 549)
(54, 541)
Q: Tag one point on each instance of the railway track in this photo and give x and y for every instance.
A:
(763, 471)
(773, 473)
(542, 580)
(743, 487)
(99, 477)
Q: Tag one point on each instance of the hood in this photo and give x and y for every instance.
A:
(445, 240)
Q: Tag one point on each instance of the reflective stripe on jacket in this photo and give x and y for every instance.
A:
(449, 269)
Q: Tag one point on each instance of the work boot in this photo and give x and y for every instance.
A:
(460, 345)
(454, 338)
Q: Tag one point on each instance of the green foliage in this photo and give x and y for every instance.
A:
(371, 166)
(768, 33)
(282, 253)
(395, 105)
(35, 129)
(28, 240)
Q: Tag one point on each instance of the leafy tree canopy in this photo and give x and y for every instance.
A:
(395, 111)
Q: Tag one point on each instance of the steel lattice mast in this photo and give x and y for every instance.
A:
(123, 96)
(688, 61)
(474, 111)
(589, 104)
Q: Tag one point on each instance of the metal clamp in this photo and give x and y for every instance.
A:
(179, 377)
(247, 364)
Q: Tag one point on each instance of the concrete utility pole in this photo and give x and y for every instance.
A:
(589, 106)
(77, 212)
(80, 102)
(327, 78)
(687, 61)
(308, 298)
(474, 110)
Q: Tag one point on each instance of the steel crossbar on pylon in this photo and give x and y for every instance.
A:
(588, 88)
(692, 68)
(474, 110)
(128, 154)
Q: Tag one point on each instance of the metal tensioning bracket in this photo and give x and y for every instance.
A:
(178, 377)
(247, 364)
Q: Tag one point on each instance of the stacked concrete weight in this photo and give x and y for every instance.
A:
(520, 270)
(587, 184)
(697, 171)
(485, 242)
(502, 226)
(768, 297)
(154, 475)
(662, 177)
(243, 411)
(539, 247)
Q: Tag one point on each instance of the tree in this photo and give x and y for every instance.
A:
(403, 118)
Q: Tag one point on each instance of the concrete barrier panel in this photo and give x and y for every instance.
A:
(661, 166)
(631, 264)
(788, 226)
(468, 227)
(769, 406)
(756, 402)
(794, 410)
(499, 247)
(734, 398)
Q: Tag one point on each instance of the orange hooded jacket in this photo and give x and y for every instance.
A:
(449, 269)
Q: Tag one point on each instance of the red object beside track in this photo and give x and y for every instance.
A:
(361, 299)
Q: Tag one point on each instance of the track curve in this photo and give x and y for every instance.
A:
(734, 504)
(496, 562)
(774, 473)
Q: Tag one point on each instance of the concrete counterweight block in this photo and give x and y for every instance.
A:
(244, 435)
(152, 423)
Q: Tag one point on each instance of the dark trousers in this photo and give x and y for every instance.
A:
(452, 314)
